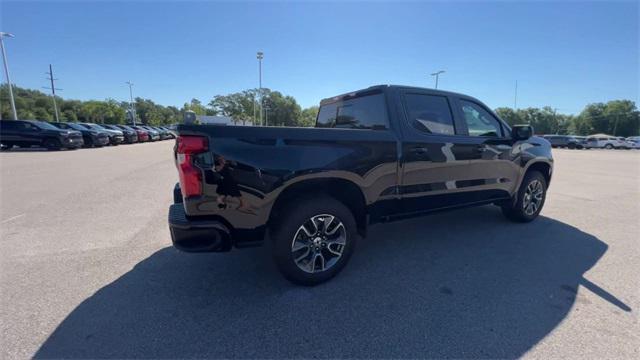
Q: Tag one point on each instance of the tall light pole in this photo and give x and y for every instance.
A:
(132, 108)
(6, 72)
(437, 74)
(260, 56)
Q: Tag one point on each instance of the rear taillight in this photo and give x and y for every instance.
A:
(190, 175)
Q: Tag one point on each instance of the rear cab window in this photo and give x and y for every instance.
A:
(362, 112)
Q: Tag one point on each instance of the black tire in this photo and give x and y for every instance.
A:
(52, 144)
(286, 233)
(518, 211)
(608, 146)
(571, 146)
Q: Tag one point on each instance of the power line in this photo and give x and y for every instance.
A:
(53, 91)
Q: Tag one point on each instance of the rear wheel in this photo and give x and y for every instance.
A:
(529, 199)
(608, 146)
(313, 240)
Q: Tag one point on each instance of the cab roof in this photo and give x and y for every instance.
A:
(382, 88)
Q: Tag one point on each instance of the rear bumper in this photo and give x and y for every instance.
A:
(197, 235)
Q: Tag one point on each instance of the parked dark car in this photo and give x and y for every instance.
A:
(171, 131)
(143, 135)
(28, 133)
(130, 135)
(565, 141)
(164, 133)
(154, 135)
(380, 154)
(116, 137)
(91, 137)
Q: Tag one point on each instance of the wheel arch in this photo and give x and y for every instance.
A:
(543, 167)
(345, 191)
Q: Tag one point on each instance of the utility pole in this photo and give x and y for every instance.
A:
(260, 56)
(515, 98)
(132, 108)
(53, 92)
(437, 75)
(6, 72)
(615, 126)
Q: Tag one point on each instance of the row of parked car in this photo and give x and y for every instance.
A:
(72, 135)
(593, 142)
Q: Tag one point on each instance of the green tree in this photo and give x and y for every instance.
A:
(510, 116)
(616, 117)
(196, 106)
(308, 116)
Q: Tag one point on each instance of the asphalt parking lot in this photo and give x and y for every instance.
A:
(88, 272)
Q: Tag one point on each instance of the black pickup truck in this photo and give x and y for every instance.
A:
(379, 154)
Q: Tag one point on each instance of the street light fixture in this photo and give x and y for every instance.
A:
(437, 74)
(6, 71)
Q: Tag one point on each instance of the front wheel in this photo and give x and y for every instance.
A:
(608, 146)
(529, 199)
(52, 144)
(313, 240)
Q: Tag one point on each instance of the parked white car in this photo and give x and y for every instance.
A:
(634, 142)
(602, 141)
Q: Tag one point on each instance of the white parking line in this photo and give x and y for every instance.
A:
(12, 218)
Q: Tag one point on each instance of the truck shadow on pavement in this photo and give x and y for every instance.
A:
(464, 284)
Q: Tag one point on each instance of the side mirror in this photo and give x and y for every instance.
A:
(521, 132)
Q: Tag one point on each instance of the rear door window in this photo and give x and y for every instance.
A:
(430, 113)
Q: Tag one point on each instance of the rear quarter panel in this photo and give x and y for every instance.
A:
(247, 168)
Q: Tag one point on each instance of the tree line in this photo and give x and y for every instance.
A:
(617, 117)
(243, 107)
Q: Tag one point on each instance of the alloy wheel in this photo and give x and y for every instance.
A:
(533, 196)
(319, 243)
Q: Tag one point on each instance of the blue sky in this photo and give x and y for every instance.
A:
(563, 54)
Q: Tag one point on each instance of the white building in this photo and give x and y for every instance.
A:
(220, 120)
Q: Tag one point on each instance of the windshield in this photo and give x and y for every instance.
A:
(73, 126)
(45, 125)
(93, 126)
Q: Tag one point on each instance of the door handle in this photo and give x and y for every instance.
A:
(418, 150)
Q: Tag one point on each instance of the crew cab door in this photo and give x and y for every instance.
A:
(493, 169)
(447, 159)
(434, 154)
